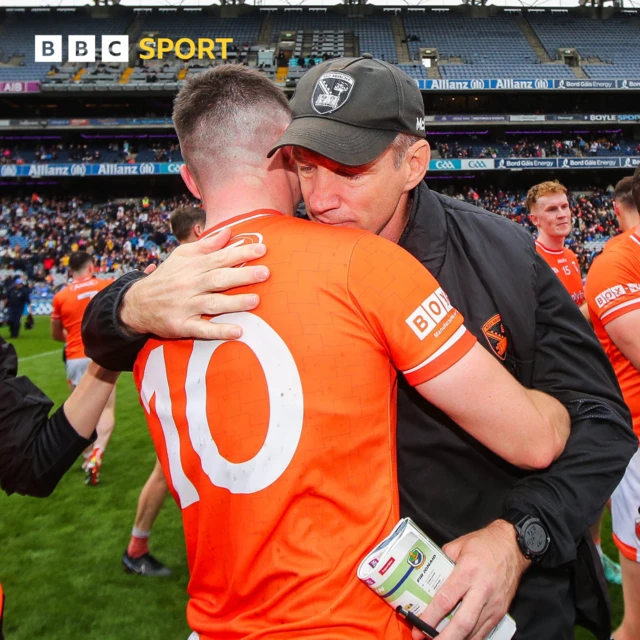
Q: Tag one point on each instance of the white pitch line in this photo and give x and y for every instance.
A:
(40, 355)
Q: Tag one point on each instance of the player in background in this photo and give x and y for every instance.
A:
(550, 212)
(613, 295)
(281, 454)
(625, 209)
(69, 305)
(187, 225)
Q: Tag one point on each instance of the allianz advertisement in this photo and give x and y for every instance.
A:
(454, 164)
(531, 84)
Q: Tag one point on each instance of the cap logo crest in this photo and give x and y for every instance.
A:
(331, 92)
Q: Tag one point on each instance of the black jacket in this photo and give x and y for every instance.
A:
(489, 267)
(17, 297)
(35, 451)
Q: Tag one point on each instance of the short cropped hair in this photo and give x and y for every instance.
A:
(184, 218)
(400, 146)
(548, 188)
(79, 260)
(636, 188)
(227, 115)
(623, 193)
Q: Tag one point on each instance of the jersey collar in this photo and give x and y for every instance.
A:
(553, 251)
(251, 215)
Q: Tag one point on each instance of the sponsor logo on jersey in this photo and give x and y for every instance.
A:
(430, 314)
(610, 294)
(496, 336)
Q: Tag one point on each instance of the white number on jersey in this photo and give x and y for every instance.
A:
(286, 411)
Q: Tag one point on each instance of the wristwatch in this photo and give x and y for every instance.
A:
(532, 536)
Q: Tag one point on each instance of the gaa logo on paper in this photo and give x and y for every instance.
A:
(82, 48)
(416, 558)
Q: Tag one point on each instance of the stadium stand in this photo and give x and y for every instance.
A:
(492, 47)
(40, 235)
(19, 28)
(163, 147)
(610, 43)
(373, 32)
(516, 44)
(193, 23)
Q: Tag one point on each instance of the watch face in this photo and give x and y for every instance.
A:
(535, 538)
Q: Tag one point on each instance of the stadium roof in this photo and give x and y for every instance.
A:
(542, 4)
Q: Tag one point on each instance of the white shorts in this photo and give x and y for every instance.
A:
(75, 369)
(194, 636)
(625, 511)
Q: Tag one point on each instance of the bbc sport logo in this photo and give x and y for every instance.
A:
(49, 49)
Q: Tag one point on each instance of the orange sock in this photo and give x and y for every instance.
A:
(139, 543)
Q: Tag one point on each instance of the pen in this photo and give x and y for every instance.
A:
(413, 619)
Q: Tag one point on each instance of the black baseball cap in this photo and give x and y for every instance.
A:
(351, 109)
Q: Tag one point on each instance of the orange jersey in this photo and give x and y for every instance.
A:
(280, 447)
(69, 305)
(613, 289)
(565, 265)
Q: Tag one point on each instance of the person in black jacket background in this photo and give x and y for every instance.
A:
(37, 450)
(458, 492)
(17, 297)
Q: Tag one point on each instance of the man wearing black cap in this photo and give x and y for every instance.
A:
(352, 117)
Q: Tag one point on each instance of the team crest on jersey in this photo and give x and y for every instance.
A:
(638, 528)
(496, 336)
(332, 90)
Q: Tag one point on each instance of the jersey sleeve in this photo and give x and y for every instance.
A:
(612, 287)
(406, 309)
(56, 311)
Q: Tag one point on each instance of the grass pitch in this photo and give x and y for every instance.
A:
(60, 557)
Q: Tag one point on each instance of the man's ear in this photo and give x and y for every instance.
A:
(616, 209)
(417, 159)
(190, 181)
(197, 230)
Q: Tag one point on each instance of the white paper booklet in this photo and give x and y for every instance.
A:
(407, 568)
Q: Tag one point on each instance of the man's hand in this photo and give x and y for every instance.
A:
(171, 301)
(489, 565)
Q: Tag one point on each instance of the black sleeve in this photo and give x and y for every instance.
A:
(104, 340)
(35, 451)
(571, 366)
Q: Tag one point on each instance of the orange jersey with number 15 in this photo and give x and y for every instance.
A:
(565, 265)
(280, 447)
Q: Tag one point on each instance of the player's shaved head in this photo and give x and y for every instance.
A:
(227, 119)
(623, 193)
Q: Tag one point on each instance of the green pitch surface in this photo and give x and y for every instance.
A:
(60, 557)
